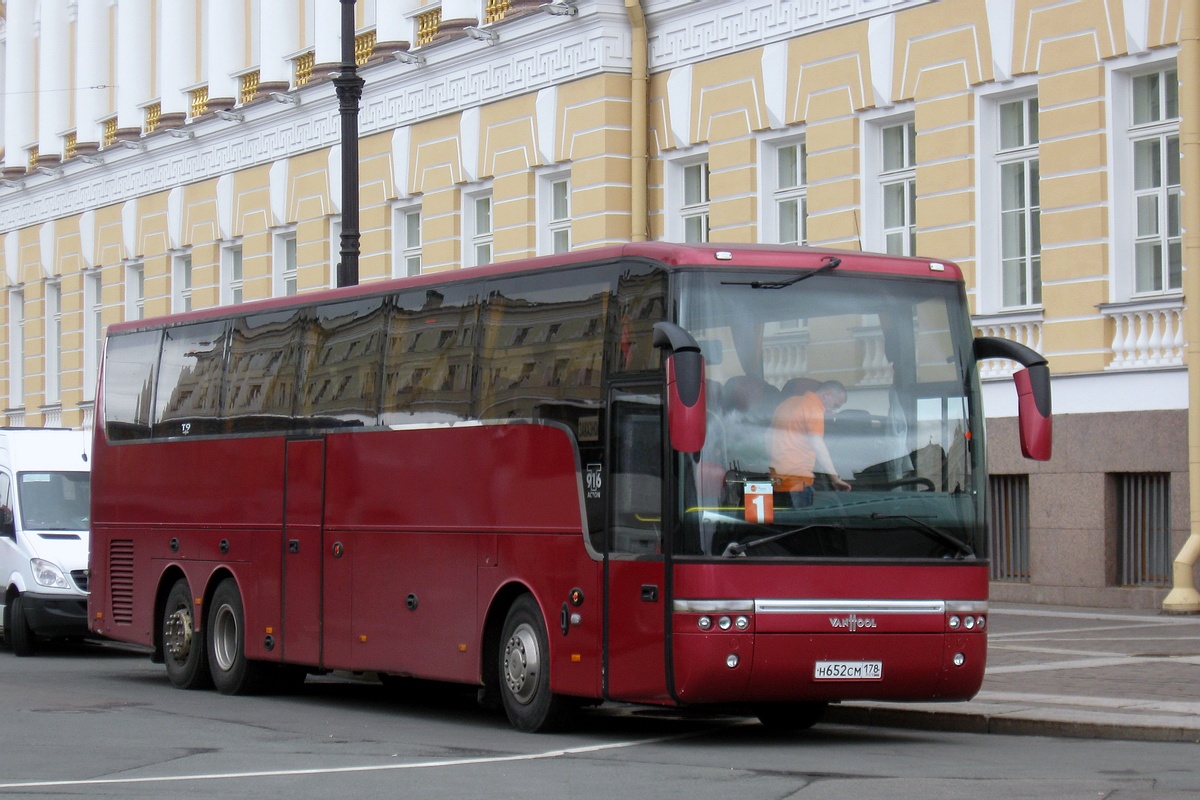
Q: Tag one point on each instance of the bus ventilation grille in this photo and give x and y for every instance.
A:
(120, 580)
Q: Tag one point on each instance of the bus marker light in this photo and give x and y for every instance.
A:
(576, 597)
(362, 639)
(705, 623)
(741, 623)
(462, 648)
(959, 659)
(982, 622)
(269, 631)
(731, 660)
(576, 619)
(723, 623)
(576, 658)
(969, 623)
(954, 623)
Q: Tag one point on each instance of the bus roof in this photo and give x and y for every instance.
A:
(713, 255)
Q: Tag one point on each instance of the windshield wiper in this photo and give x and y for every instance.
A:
(962, 547)
(737, 549)
(832, 263)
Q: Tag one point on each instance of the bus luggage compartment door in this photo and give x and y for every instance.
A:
(301, 548)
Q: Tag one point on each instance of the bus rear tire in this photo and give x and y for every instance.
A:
(23, 640)
(524, 664)
(184, 651)
(791, 717)
(232, 672)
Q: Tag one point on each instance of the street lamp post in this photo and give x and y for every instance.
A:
(349, 92)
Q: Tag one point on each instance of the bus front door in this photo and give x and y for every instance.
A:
(635, 663)
(304, 492)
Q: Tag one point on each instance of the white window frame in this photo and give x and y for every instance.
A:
(775, 195)
(335, 248)
(181, 280)
(874, 176)
(233, 276)
(993, 157)
(285, 263)
(54, 324)
(554, 223)
(406, 248)
(16, 348)
(679, 209)
(135, 290)
(478, 232)
(93, 329)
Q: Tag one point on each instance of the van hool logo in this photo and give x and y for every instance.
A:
(853, 622)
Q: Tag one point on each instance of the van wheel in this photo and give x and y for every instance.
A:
(183, 647)
(232, 672)
(524, 664)
(24, 643)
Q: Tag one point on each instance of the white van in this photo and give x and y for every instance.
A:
(45, 492)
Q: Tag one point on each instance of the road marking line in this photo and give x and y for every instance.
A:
(1034, 612)
(1129, 703)
(1089, 663)
(287, 773)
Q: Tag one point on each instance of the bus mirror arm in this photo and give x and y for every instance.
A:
(1033, 392)
(686, 409)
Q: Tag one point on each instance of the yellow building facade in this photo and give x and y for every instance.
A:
(162, 155)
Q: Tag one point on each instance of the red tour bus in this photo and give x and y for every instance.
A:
(553, 479)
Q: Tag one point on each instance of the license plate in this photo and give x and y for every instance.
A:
(848, 671)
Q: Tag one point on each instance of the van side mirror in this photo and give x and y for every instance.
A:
(686, 409)
(1033, 393)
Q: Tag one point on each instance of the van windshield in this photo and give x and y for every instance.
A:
(54, 501)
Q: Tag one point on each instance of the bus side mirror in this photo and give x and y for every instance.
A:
(8, 525)
(686, 411)
(1033, 393)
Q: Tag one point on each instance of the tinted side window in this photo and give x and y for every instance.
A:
(429, 357)
(542, 349)
(343, 354)
(263, 371)
(130, 367)
(641, 302)
(188, 401)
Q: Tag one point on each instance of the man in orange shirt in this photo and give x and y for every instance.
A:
(797, 443)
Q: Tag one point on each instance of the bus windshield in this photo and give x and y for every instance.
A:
(840, 419)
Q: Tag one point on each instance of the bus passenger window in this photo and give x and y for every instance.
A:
(188, 400)
(130, 369)
(342, 387)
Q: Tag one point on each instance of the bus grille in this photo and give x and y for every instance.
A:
(120, 580)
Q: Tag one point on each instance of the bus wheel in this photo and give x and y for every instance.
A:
(183, 648)
(232, 672)
(24, 643)
(791, 717)
(525, 672)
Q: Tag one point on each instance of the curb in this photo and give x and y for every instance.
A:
(1011, 723)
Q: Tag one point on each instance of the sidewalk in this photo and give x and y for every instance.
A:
(1057, 671)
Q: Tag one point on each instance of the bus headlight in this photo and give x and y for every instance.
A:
(705, 623)
(48, 574)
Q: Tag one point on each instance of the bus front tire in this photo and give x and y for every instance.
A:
(23, 641)
(524, 664)
(232, 672)
(183, 647)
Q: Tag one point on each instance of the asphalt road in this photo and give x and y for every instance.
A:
(102, 721)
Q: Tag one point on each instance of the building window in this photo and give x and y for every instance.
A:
(286, 265)
(695, 208)
(53, 341)
(406, 232)
(1008, 515)
(93, 331)
(556, 211)
(791, 193)
(1154, 133)
(182, 282)
(335, 249)
(1144, 528)
(1020, 204)
(898, 182)
(231, 274)
(135, 291)
(16, 348)
(479, 227)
